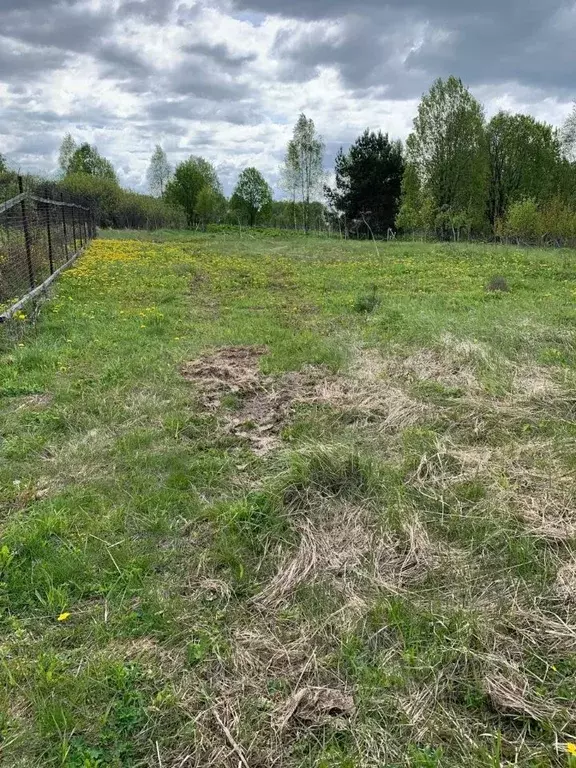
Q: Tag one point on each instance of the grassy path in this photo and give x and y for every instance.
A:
(278, 502)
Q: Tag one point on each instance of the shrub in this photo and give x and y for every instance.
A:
(523, 221)
(558, 221)
(498, 283)
(368, 302)
(119, 208)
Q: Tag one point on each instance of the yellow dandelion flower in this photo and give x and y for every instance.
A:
(571, 748)
(64, 616)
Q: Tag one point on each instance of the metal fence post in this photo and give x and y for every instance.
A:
(27, 242)
(80, 231)
(74, 230)
(64, 224)
(49, 233)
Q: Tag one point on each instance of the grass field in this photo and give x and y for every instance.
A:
(287, 502)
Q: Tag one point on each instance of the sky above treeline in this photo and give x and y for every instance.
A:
(226, 79)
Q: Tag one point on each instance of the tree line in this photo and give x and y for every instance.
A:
(458, 175)
(511, 176)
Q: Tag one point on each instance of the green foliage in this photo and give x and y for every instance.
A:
(67, 151)
(159, 172)
(252, 197)
(210, 205)
(524, 161)
(3, 164)
(447, 154)
(417, 209)
(190, 178)
(286, 214)
(368, 181)
(86, 159)
(120, 208)
(523, 221)
(303, 171)
(553, 222)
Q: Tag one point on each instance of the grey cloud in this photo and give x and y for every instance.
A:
(538, 56)
(356, 49)
(320, 9)
(156, 11)
(120, 63)
(220, 54)
(198, 78)
(66, 27)
(160, 127)
(19, 5)
(192, 108)
(18, 65)
(384, 45)
(40, 144)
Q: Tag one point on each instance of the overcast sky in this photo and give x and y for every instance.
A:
(227, 79)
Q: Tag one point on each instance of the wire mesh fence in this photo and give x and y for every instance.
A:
(38, 236)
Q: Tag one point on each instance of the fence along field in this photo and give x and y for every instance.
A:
(39, 236)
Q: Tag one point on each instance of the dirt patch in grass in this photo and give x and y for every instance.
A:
(264, 404)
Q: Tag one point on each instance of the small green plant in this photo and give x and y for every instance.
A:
(425, 757)
(335, 471)
(201, 647)
(368, 302)
(498, 284)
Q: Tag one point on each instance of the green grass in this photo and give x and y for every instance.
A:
(379, 504)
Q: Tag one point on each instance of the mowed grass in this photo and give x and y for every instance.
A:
(349, 545)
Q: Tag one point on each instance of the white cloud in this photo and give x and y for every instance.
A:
(207, 79)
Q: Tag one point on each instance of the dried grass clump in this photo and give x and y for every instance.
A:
(544, 631)
(511, 694)
(346, 548)
(440, 366)
(565, 586)
(531, 381)
(316, 707)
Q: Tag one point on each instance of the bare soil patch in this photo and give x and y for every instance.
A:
(266, 402)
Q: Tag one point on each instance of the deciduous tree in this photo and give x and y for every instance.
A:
(303, 165)
(252, 195)
(159, 172)
(189, 179)
(447, 152)
(525, 160)
(67, 150)
(86, 159)
(569, 135)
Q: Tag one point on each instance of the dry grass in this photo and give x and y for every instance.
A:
(346, 549)
(365, 558)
